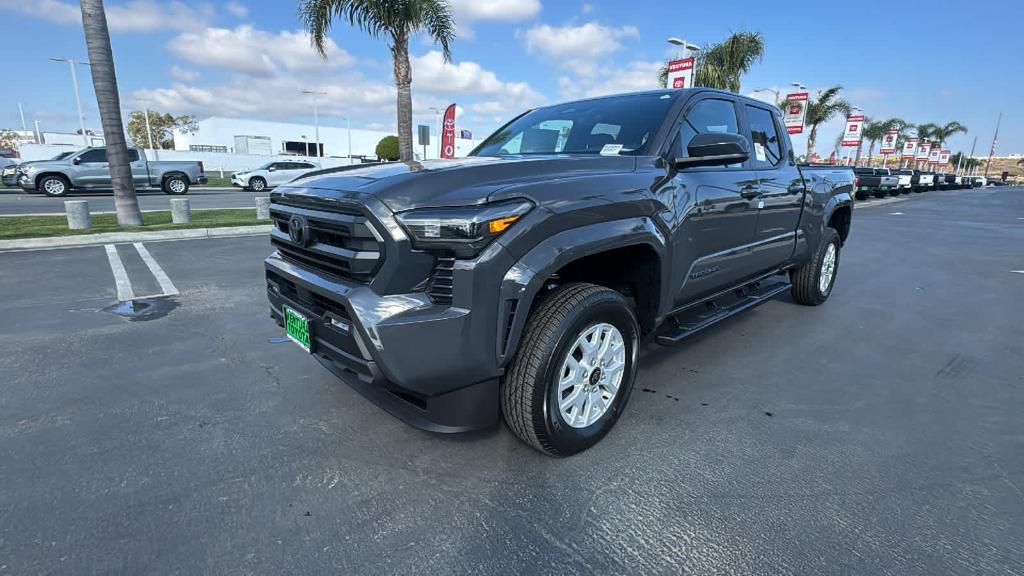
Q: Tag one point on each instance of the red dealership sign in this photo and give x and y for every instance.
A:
(889, 141)
(448, 133)
(680, 73)
(909, 148)
(795, 112)
(851, 137)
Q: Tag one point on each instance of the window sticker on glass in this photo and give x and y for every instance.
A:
(611, 149)
(759, 152)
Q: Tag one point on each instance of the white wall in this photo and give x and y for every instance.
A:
(222, 131)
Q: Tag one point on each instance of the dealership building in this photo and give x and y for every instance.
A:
(262, 138)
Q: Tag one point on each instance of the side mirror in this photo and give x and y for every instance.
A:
(272, 169)
(76, 161)
(715, 149)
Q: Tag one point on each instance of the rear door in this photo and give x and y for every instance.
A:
(278, 173)
(140, 172)
(781, 186)
(715, 208)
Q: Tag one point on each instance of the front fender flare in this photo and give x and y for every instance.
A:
(526, 277)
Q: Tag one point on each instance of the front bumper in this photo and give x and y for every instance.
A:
(26, 183)
(421, 362)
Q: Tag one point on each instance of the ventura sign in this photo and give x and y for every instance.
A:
(796, 111)
(851, 137)
(680, 73)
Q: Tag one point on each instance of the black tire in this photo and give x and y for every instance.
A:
(57, 184)
(881, 194)
(529, 394)
(257, 184)
(175, 185)
(806, 279)
(860, 195)
(894, 192)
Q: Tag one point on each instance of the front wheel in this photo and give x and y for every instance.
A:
(812, 282)
(574, 370)
(175, 185)
(54, 186)
(257, 184)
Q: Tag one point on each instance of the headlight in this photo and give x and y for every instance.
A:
(464, 230)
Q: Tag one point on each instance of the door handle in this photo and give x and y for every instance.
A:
(749, 192)
(796, 189)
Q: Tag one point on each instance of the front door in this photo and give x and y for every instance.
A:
(715, 208)
(92, 170)
(781, 186)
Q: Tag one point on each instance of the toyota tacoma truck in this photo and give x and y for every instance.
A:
(88, 169)
(520, 280)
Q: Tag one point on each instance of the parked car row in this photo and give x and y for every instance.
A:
(882, 182)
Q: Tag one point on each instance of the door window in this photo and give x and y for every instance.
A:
(133, 155)
(765, 137)
(95, 156)
(707, 116)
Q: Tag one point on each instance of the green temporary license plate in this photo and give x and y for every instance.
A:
(296, 326)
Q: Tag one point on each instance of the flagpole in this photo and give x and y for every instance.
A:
(992, 151)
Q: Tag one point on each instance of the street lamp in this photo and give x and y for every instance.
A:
(683, 44)
(799, 85)
(777, 93)
(316, 122)
(78, 101)
(306, 142)
(348, 128)
(437, 127)
(149, 131)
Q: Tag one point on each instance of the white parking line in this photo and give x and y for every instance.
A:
(124, 285)
(165, 281)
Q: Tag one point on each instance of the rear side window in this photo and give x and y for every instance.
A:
(765, 137)
(133, 155)
(709, 115)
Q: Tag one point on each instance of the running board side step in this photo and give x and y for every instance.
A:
(688, 323)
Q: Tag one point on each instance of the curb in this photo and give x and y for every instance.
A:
(115, 237)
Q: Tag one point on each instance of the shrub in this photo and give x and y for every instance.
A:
(387, 148)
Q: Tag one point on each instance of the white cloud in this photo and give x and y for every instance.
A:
(237, 9)
(503, 10)
(184, 73)
(432, 74)
(132, 16)
(253, 51)
(579, 48)
(587, 8)
(634, 77)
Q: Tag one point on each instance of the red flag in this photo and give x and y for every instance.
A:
(448, 133)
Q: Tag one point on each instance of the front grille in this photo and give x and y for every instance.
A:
(338, 241)
(313, 302)
(442, 280)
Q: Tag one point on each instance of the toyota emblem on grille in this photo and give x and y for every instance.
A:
(297, 230)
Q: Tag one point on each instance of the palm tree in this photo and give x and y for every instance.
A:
(873, 131)
(822, 109)
(104, 82)
(948, 130)
(395, 20)
(722, 65)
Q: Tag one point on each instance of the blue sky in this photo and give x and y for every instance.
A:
(952, 61)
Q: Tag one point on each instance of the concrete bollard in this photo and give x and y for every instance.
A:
(263, 208)
(180, 211)
(78, 214)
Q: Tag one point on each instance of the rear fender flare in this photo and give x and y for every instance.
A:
(526, 277)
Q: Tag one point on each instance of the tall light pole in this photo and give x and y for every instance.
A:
(149, 131)
(316, 124)
(306, 142)
(39, 135)
(682, 44)
(21, 112)
(773, 91)
(437, 127)
(798, 85)
(348, 128)
(78, 100)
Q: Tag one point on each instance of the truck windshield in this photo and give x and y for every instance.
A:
(615, 126)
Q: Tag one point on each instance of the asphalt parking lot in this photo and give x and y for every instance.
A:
(14, 201)
(881, 433)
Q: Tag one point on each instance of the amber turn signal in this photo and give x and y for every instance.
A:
(501, 224)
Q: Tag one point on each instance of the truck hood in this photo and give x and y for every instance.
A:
(44, 164)
(471, 180)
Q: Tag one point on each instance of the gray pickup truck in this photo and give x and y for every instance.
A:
(88, 169)
(524, 276)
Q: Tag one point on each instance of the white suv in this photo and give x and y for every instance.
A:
(271, 174)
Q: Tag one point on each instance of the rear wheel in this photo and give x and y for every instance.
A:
(860, 195)
(812, 282)
(54, 185)
(574, 370)
(257, 184)
(175, 185)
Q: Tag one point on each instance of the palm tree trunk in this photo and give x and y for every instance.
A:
(811, 137)
(871, 153)
(403, 81)
(104, 81)
(856, 159)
